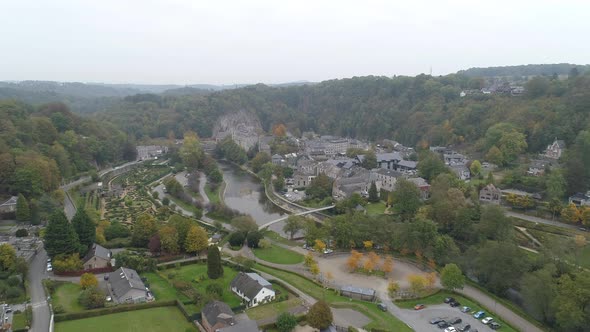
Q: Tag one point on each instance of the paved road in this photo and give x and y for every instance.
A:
(506, 314)
(38, 300)
(202, 182)
(539, 220)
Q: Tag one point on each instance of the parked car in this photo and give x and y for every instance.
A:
(454, 304)
(495, 326)
(49, 268)
(450, 329)
(487, 320)
(465, 309)
(419, 307)
(449, 299)
(108, 299)
(8, 310)
(328, 251)
(382, 307)
(464, 327)
(436, 320)
(479, 314)
(442, 324)
(455, 320)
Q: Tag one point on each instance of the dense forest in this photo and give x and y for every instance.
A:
(40, 146)
(525, 70)
(422, 111)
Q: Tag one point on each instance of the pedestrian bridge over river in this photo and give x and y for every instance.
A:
(295, 214)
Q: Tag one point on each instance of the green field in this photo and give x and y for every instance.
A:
(192, 273)
(163, 319)
(213, 195)
(161, 288)
(278, 255)
(67, 295)
(375, 208)
(439, 297)
(273, 309)
(381, 320)
(277, 238)
(18, 321)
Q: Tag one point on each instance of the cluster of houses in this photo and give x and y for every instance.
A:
(145, 152)
(548, 159)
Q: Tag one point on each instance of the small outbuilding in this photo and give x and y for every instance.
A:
(358, 293)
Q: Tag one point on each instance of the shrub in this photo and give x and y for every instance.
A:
(88, 280)
(253, 238)
(13, 292)
(116, 230)
(22, 233)
(13, 281)
(181, 285)
(286, 322)
(67, 263)
(236, 239)
(320, 315)
(58, 309)
(92, 298)
(215, 290)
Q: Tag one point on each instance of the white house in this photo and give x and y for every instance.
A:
(252, 289)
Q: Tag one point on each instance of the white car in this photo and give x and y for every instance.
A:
(49, 268)
(487, 320)
(450, 329)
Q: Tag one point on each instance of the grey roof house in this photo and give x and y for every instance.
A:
(97, 257)
(217, 316)
(126, 286)
(252, 289)
(9, 205)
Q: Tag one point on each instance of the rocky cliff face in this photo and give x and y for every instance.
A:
(243, 127)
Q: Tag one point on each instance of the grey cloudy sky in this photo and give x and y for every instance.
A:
(226, 42)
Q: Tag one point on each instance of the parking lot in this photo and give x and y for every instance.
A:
(421, 318)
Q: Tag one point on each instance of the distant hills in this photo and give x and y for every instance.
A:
(525, 70)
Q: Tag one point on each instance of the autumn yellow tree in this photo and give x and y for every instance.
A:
(309, 260)
(368, 244)
(585, 215)
(431, 264)
(387, 264)
(88, 280)
(392, 288)
(571, 213)
(353, 260)
(418, 283)
(329, 277)
(371, 261)
(196, 239)
(319, 246)
(279, 130)
(314, 269)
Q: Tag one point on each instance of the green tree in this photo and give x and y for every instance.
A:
(85, 229)
(169, 239)
(495, 156)
(494, 224)
(92, 298)
(191, 152)
(430, 165)
(143, 229)
(573, 292)
(320, 315)
(244, 224)
(512, 144)
(556, 185)
(499, 265)
(286, 322)
(214, 267)
(60, 236)
(475, 168)
(182, 226)
(369, 160)
(539, 290)
(7, 257)
(320, 187)
(373, 194)
(406, 199)
(23, 212)
(260, 159)
(293, 225)
(451, 277)
(279, 183)
(490, 178)
(196, 240)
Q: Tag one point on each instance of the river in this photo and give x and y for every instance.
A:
(245, 193)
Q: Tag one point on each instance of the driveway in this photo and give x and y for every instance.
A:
(38, 300)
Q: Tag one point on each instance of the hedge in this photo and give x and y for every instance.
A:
(299, 319)
(112, 310)
(79, 273)
(182, 309)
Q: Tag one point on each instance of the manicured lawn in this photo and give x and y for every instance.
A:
(277, 238)
(212, 195)
(439, 297)
(192, 273)
(278, 255)
(273, 309)
(18, 321)
(160, 287)
(67, 295)
(381, 320)
(163, 319)
(375, 208)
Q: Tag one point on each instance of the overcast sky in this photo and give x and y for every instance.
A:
(274, 41)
